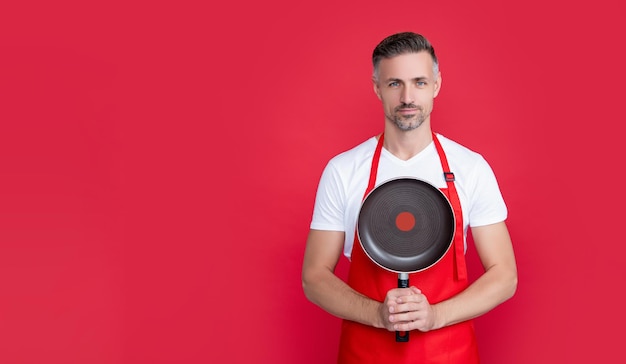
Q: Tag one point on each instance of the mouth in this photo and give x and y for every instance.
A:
(407, 109)
(407, 112)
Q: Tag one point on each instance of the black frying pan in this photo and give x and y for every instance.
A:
(405, 225)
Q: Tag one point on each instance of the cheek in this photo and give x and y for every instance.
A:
(426, 99)
(389, 105)
(434, 92)
(389, 98)
(390, 94)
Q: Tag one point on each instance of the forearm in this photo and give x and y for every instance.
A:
(495, 286)
(334, 296)
(322, 287)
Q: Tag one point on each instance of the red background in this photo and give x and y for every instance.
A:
(158, 165)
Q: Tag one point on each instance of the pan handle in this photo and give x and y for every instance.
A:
(403, 282)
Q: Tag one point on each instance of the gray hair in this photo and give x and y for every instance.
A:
(403, 43)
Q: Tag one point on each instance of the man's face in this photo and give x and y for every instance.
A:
(407, 87)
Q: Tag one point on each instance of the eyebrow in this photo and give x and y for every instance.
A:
(414, 79)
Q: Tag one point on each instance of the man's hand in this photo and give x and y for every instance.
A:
(406, 309)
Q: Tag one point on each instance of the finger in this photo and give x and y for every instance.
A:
(394, 294)
(404, 317)
(398, 292)
(404, 307)
(407, 326)
(416, 297)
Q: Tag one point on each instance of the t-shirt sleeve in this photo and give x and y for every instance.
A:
(329, 208)
(487, 204)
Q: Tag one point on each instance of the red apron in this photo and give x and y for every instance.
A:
(361, 344)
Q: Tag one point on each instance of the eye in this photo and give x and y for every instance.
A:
(421, 83)
(394, 84)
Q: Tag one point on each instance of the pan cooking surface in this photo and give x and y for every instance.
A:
(406, 225)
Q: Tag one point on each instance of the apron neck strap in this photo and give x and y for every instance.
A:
(453, 197)
(449, 176)
(374, 171)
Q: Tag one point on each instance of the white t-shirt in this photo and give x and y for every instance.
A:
(344, 180)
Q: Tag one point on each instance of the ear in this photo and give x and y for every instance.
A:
(376, 88)
(437, 84)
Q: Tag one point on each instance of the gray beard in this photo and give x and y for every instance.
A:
(406, 124)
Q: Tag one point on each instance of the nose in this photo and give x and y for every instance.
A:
(405, 96)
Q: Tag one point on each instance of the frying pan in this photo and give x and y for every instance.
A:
(405, 225)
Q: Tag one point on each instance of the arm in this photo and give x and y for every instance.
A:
(325, 289)
(496, 285)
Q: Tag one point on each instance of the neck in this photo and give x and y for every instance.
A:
(407, 144)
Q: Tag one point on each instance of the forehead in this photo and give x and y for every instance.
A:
(406, 66)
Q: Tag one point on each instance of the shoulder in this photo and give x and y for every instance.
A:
(476, 184)
(347, 168)
(461, 157)
(469, 166)
(457, 150)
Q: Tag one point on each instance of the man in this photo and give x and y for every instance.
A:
(438, 310)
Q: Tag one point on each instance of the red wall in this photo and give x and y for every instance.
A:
(158, 165)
